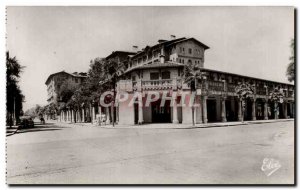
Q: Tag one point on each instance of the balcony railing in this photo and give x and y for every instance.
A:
(231, 88)
(261, 91)
(216, 86)
(213, 87)
(157, 84)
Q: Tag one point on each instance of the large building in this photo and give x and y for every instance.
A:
(159, 69)
(55, 80)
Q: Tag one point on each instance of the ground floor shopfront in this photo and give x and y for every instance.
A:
(177, 108)
(207, 109)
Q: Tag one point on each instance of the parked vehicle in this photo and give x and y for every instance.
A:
(26, 122)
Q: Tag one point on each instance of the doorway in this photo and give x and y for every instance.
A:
(211, 110)
(161, 114)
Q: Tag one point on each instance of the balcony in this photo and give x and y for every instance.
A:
(231, 88)
(163, 84)
(157, 84)
(260, 91)
(216, 86)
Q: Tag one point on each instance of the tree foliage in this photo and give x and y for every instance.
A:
(291, 67)
(192, 74)
(244, 90)
(276, 95)
(14, 96)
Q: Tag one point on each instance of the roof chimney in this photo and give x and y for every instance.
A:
(173, 37)
(135, 48)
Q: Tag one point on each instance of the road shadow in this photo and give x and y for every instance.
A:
(38, 127)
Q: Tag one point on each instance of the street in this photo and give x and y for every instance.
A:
(54, 154)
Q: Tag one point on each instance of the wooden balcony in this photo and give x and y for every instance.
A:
(211, 87)
(261, 91)
(157, 84)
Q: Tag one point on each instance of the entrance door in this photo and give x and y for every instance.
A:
(161, 114)
(229, 111)
(136, 113)
(260, 109)
(248, 110)
(211, 110)
(280, 107)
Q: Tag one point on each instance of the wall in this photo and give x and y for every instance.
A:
(147, 114)
(176, 54)
(126, 112)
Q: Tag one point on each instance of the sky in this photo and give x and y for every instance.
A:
(252, 41)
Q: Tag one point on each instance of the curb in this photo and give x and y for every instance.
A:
(212, 125)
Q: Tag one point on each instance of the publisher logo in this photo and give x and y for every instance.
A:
(270, 166)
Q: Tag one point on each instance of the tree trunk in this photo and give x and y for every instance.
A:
(243, 110)
(112, 114)
(193, 110)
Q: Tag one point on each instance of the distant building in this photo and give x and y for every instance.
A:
(55, 80)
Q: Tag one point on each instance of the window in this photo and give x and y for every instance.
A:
(190, 50)
(182, 60)
(189, 61)
(76, 80)
(166, 75)
(141, 74)
(133, 78)
(154, 76)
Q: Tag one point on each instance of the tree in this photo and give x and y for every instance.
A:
(290, 72)
(276, 96)
(66, 91)
(39, 110)
(192, 76)
(243, 91)
(113, 70)
(31, 112)
(15, 98)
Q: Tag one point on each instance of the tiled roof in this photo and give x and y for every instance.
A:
(186, 39)
(167, 42)
(72, 74)
(120, 52)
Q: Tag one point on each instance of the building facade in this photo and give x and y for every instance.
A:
(55, 80)
(159, 69)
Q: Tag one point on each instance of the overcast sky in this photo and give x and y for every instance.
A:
(252, 41)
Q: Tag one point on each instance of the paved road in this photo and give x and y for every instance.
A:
(56, 154)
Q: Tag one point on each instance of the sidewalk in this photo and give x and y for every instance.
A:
(176, 126)
(12, 130)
